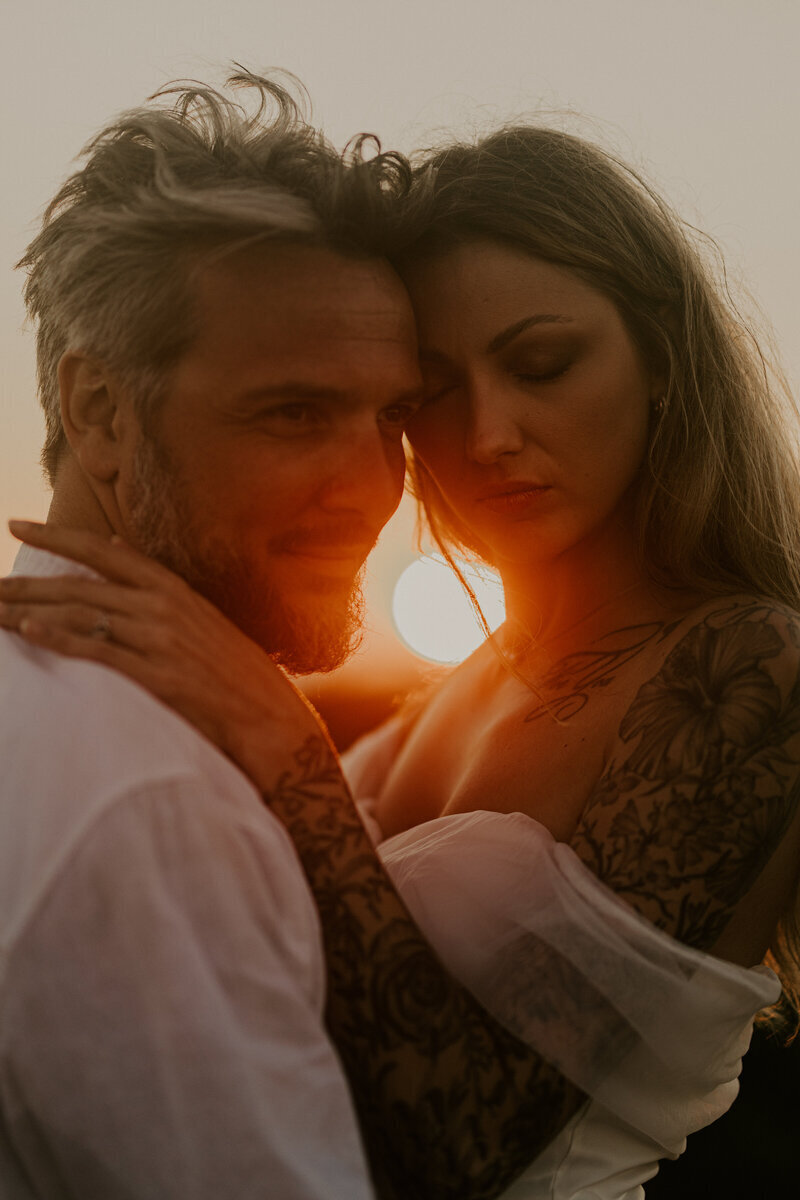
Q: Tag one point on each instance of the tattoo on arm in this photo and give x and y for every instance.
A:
(705, 779)
(451, 1105)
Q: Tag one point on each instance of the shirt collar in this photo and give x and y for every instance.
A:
(32, 561)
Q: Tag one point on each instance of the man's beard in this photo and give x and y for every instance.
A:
(305, 633)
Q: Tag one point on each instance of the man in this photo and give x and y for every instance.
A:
(225, 363)
(163, 987)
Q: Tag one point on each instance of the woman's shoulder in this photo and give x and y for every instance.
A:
(734, 608)
(739, 657)
(722, 647)
(727, 687)
(731, 636)
(704, 777)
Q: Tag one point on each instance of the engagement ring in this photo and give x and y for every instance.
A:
(102, 627)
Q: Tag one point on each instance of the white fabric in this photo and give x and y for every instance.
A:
(651, 1030)
(161, 970)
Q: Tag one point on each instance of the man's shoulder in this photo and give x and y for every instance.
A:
(91, 720)
(76, 740)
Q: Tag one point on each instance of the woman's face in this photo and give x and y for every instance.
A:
(538, 403)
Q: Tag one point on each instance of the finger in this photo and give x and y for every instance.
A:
(100, 650)
(110, 557)
(75, 589)
(66, 615)
(83, 621)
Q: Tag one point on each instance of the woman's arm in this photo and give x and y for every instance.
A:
(451, 1104)
(704, 781)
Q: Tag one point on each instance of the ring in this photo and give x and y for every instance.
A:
(102, 627)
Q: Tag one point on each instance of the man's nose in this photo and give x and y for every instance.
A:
(493, 427)
(366, 474)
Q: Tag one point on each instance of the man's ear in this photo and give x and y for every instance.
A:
(93, 414)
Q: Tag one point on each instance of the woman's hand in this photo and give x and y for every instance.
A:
(146, 622)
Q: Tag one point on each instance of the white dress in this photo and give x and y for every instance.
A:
(651, 1030)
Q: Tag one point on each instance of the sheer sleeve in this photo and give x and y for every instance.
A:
(651, 1029)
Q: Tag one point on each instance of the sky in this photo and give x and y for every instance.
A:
(702, 95)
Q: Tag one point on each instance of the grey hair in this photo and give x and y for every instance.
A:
(166, 187)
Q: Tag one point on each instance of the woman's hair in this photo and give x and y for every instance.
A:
(717, 501)
(192, 176)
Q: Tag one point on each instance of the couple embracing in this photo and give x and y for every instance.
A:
(520, 949)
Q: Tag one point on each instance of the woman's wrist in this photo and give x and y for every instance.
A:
(264, 725)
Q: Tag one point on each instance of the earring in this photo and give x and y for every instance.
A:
(660, 405)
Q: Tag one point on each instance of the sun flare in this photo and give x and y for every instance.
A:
(433, 615)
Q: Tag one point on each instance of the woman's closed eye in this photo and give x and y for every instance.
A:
(528, 374)
(437, 384)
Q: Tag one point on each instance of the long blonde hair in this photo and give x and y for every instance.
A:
(718, 499)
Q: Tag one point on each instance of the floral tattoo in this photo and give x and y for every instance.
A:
(573, 680)
(705, 778)
(701, 787)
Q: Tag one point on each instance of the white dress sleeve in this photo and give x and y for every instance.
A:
(162, 1030)
(652, 1030)
(649, 1028)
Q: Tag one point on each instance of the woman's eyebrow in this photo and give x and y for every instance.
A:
(500, 340)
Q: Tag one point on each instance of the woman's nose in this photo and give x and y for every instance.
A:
(493, 428)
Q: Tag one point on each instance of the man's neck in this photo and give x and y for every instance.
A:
(74, 504)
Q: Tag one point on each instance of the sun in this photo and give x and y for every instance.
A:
(433, 615)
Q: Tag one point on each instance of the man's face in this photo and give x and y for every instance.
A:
(277, 456)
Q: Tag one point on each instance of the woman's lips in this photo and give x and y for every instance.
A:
(515, 498)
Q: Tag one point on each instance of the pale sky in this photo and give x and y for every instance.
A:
(703, 95)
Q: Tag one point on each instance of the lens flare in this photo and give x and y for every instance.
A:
(433, 615)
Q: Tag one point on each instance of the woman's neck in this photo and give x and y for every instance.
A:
(602, 582)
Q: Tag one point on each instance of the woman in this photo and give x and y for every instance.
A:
(594, 819)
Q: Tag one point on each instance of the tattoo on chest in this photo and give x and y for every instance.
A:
(570, 684)
(704, 781)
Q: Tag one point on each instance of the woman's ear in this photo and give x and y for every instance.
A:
(92, 414)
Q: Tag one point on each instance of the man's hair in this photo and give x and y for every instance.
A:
(188, 178)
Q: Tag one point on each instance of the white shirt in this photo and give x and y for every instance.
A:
(161, 968)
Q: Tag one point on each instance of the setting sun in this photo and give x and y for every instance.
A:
(433, 615)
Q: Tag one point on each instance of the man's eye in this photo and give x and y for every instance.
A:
(397, 415)
(292, 416)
